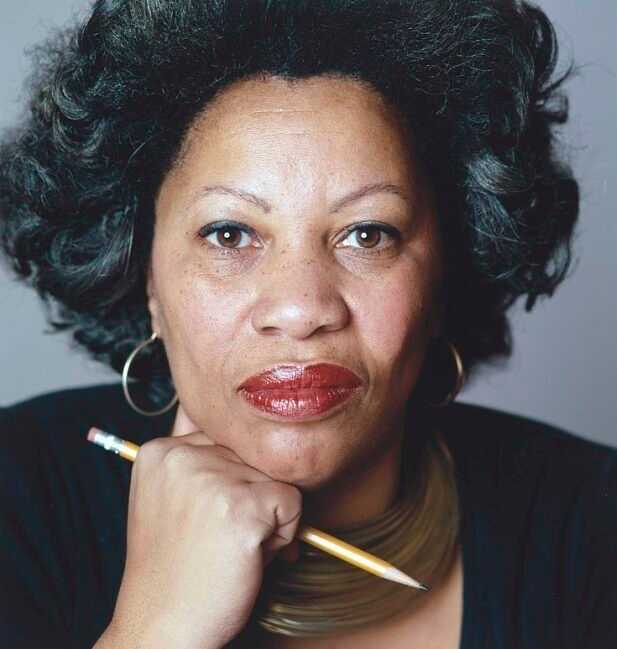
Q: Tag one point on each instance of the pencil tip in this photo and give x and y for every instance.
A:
(393, 574)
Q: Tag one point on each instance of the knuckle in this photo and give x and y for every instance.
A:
(290, 508)
(288, 494)
(226, 503)
(253, 538)
(151, 452)
(234, 507)
(177, 458)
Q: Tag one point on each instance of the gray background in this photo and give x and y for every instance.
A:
(564, 367)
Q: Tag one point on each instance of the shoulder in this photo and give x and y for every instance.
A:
(51, 478)
(67, 414)
(63, 503)
(46, 435)
(517, 445)
(527, 478)
(533, 486)
(540, 523)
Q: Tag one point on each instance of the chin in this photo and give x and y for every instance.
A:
(307, 459)
(307, 476)
(305, 485)
(296, 474)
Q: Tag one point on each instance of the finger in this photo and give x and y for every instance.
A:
(285, 502)
(185, 428)
(199, 438)
(188, 431)
(281, 538)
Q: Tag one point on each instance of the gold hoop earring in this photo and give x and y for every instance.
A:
(460, 379)
(125, 376)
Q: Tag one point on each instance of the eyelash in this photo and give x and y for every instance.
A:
(232, 225)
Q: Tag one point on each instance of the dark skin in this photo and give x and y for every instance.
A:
(300, 285)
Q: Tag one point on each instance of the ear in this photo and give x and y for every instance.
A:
(153, 302)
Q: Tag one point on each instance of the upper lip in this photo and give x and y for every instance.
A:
(292, 376)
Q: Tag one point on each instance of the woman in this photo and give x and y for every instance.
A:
(299, 226)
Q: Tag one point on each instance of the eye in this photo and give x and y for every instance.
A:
(370, 235)
(226, 235)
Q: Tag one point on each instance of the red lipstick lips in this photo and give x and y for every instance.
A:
(297, 392)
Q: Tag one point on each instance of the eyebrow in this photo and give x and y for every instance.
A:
(372, 188)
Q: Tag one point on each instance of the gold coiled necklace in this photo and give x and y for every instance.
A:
(320, 595)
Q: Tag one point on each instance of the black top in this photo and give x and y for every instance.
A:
(539, 524)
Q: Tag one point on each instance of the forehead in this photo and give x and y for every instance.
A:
(336, 127)
(311, 94)
(317, 106)
(300, 147)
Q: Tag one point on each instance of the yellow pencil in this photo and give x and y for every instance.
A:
(325, 542)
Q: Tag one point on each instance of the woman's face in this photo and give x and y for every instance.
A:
(294, 282)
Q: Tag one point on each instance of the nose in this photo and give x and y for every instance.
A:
(298, 296)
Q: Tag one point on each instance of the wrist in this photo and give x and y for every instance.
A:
(155, 635)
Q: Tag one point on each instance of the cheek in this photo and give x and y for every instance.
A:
(202, 337)
(394, 318)
(205, 312)
(199, 310)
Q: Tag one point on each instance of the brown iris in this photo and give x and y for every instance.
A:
(363, 235)
(228, 237)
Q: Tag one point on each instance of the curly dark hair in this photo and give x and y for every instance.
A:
(112, 99)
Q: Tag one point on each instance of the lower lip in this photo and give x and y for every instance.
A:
(297, 404)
